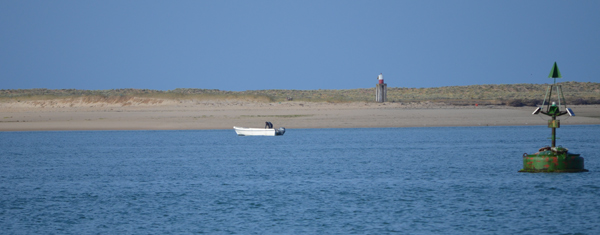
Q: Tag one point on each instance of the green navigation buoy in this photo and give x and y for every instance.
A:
(553, 158)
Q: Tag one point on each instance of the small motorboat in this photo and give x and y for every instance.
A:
(267, 131)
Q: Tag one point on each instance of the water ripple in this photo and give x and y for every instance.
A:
(346, 181)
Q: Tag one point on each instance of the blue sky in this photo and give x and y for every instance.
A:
(301, 45)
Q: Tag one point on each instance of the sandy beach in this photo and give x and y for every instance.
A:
(158, 114)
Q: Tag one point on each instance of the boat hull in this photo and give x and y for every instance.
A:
(243, 131)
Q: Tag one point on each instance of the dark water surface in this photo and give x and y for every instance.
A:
(435, 180)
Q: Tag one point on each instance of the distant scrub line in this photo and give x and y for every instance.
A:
(504, 94)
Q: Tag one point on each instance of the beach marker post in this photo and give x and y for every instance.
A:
(380, 90)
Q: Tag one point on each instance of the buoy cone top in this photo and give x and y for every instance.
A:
(554, 73)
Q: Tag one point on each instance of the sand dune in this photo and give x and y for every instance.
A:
(168, 114)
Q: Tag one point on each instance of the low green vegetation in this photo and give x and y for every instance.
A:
(501, 94)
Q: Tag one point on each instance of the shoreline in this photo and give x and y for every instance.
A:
(126, 129)
(52, 115)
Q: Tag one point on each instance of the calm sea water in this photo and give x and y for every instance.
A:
(450, 180)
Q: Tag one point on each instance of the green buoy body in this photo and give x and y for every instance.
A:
(552, 159)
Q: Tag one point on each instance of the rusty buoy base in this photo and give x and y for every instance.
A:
(552, 160)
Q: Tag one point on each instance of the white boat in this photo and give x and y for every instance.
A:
(243, 131)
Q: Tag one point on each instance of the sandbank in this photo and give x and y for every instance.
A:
(158, 114)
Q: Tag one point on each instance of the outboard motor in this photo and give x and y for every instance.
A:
(280, 131)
